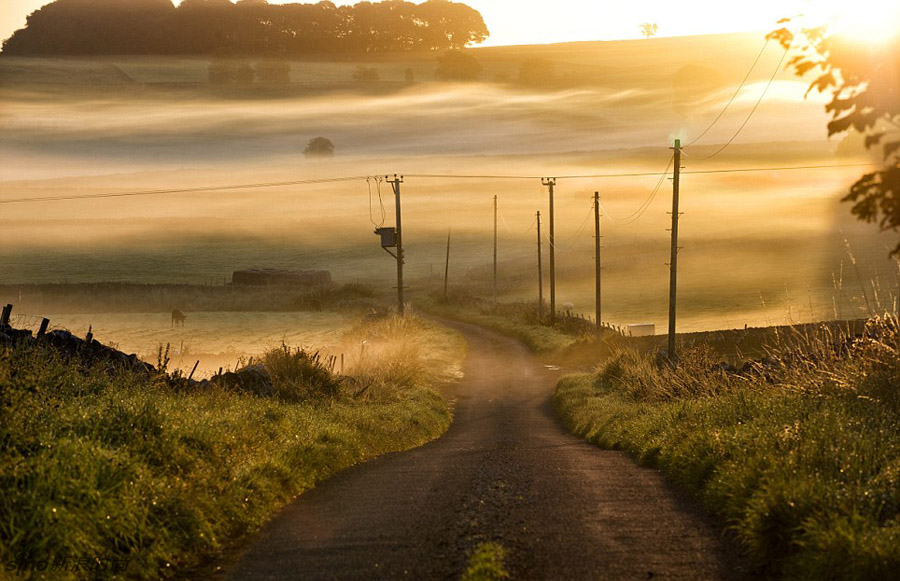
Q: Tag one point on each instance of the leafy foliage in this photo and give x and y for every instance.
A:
(319, 147)
(249, 27)
(864, 81)
(649, 29)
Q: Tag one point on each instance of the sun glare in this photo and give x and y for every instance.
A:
(872, 22)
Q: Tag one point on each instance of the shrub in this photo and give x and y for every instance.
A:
(319, 147)
(298, 375)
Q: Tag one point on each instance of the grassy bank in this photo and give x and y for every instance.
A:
(800, 458)
(98, 472)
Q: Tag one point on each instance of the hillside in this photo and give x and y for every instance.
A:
(626, 65)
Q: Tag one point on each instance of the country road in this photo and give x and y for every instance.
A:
(505, 472)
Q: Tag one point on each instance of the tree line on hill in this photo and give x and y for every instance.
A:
(158, 27)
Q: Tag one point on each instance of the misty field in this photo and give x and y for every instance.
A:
(759, 247)
(215, 339)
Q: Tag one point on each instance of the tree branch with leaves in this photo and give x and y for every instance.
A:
(864, 83)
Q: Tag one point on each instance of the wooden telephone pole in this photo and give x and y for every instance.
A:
(540, 271)
(494, 287)
(673, 260)
(395, 184)
(551, 183)
(597, 256)
(447, 265)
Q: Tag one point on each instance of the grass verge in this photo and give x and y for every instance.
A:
(486, 563)
(519, 320)
(802, 460)
(127, 477)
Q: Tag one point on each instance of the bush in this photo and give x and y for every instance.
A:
(298, 375)
(319, 147)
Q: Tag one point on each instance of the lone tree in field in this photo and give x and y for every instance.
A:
(865, 96)
(457, 65)
(649, 29)
(319, 147)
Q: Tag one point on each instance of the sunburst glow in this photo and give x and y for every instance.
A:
(872, 22)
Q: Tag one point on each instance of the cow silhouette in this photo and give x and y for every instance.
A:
(178, 318)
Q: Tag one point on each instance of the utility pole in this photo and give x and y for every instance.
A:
(395, 184)
(551, 183)
(540, 272)
(673, 261)
(494, 287)
(447, 265)
(597, 255)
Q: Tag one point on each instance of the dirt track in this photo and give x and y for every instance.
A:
(506, 472)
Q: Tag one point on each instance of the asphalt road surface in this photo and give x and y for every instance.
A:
(505, 472)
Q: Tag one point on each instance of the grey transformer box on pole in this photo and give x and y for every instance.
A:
(388, 237)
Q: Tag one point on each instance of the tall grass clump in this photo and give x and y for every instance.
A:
(392, 356)
(298, 375)
(798, 453)
(101, 471)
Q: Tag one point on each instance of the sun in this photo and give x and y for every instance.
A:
(870, 22)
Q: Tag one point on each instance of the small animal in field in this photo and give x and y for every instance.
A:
(178, 318)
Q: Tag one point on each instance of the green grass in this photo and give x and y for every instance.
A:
(804, 468)
(94, 467)
(518, 319)
(486, 563)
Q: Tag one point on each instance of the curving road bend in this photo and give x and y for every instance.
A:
(505, 472)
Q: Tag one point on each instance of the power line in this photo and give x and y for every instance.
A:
(184, 190)
(636, 215)
(207, 189)
(633, 174)
(778, 168)
(752, 111)
(733, 97)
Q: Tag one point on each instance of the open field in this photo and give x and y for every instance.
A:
(760, 248)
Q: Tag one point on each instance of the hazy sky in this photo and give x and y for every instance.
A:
(521, 22)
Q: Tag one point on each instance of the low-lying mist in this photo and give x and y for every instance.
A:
(759, 247)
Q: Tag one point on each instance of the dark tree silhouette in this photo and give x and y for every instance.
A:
(864, 82)
(249, 27)
(78, 27)
(319, 147)
(456, 65)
